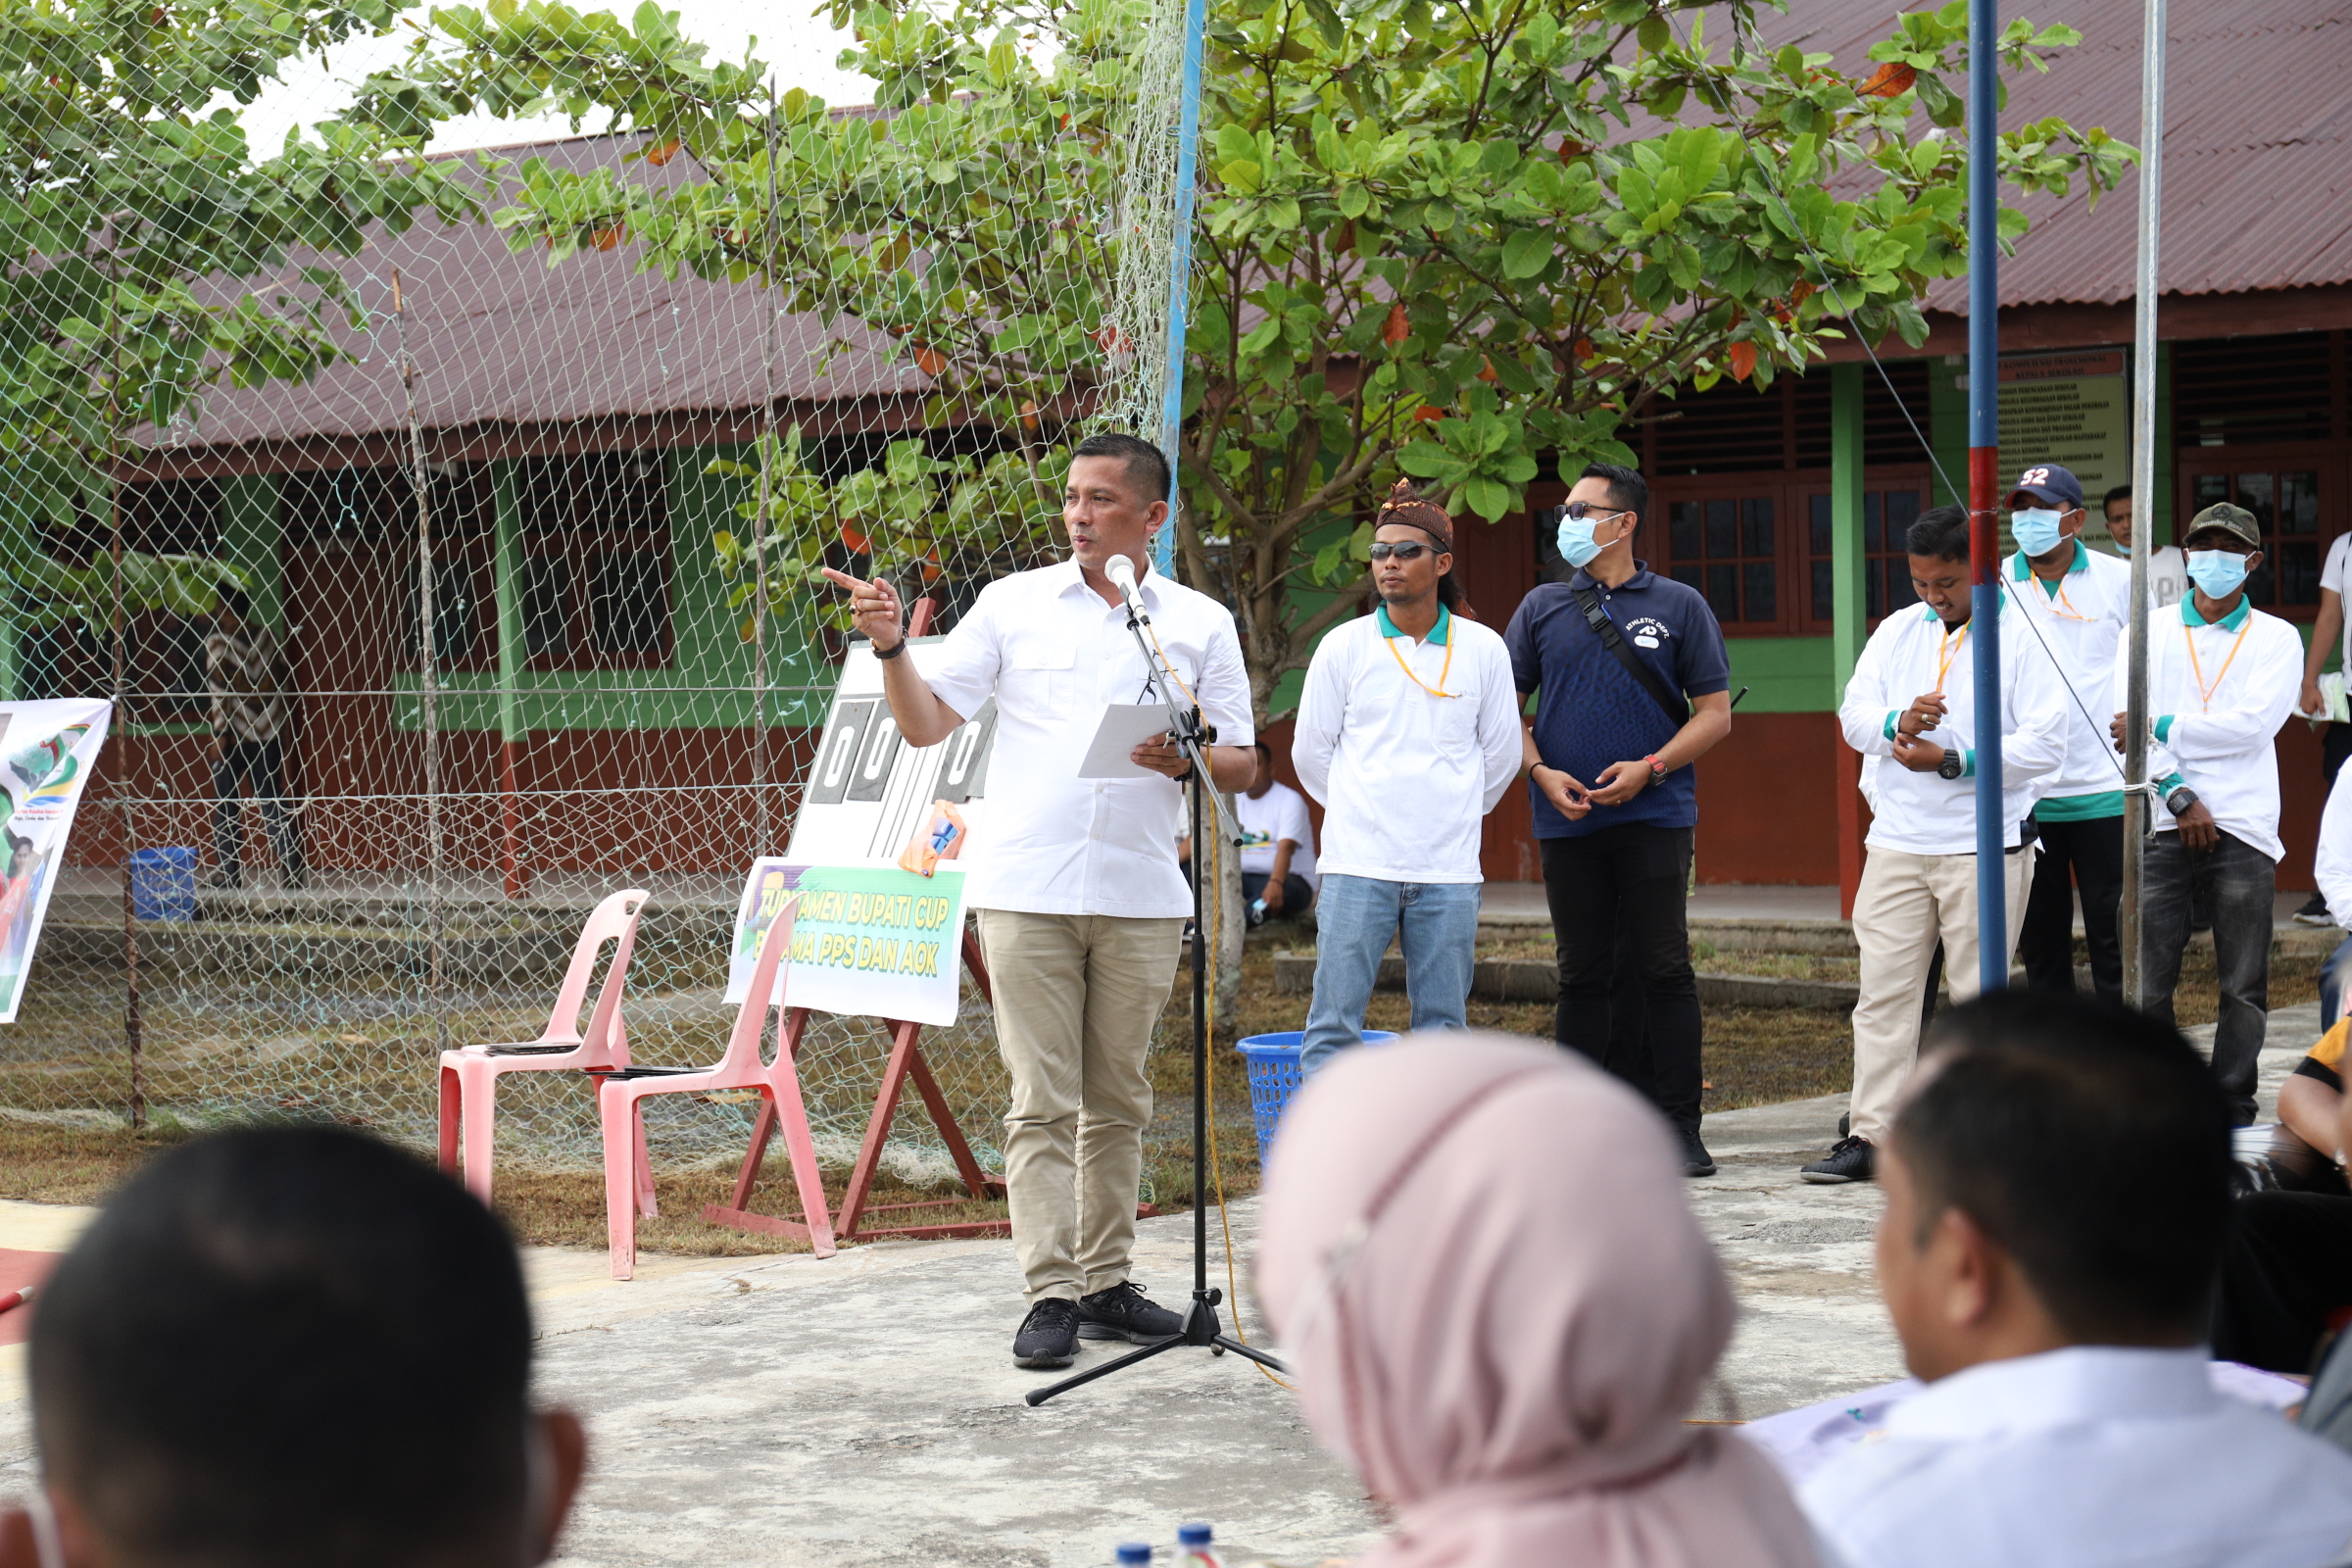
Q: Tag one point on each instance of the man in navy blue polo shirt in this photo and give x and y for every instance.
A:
(1632, 687)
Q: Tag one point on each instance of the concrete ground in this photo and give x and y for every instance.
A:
(862, 1409)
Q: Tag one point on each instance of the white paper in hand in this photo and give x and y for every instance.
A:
(1124, 727)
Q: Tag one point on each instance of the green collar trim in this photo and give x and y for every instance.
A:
(1437, 634)
(2025, 567)
(2229, 622)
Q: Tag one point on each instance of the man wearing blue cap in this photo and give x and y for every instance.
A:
(2078, 604)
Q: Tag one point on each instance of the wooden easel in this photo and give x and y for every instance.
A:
(906, 1061)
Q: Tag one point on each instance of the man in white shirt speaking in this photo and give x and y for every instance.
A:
(1408, 733)
(2222, 677)
(2058, 1193)
(1912, 703)
(1073, 881)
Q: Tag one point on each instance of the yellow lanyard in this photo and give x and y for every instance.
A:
(2058, 595)
(1447, 669)
(2197, 672)
(1951, 649)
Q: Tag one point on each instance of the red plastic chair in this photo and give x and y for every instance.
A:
(469, 1075)
(620, 1099)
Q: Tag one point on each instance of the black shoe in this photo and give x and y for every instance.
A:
(1696, 1161)
(2315, 912)
(1845, 1125)
(1124, 1312)
(1049, 1336)
(1850, 1159)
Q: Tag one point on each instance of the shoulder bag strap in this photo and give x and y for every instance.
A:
(1606, 630)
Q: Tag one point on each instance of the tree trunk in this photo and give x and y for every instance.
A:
(1231, 922)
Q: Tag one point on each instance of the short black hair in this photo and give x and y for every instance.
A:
(1628, 490)
(288, 1345)
(1147, 465)
(1262, 750)
(2091, 1144)
(2120, 492)
(1940, 533)
(236, 601)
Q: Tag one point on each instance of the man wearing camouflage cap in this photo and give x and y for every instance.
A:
(2222, 677)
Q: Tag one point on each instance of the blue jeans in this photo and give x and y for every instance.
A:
(1356, 918)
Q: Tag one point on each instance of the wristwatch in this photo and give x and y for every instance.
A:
(1953, 765)
(2180, 801)
(891, 652)
(1657, 770)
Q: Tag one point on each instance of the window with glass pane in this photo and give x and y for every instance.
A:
(1727, 549)
(2287, 505)
(1887, 518)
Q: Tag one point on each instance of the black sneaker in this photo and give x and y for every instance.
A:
(2315, 912)
(1696, 1161)
(1850, 1159)
(1049, 1336)
(1124, 1312)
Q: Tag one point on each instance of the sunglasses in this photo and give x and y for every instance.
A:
(1581, 509)
(1382, 552)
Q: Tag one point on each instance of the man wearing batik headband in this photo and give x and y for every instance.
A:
(2221, 679)
(1408, 733)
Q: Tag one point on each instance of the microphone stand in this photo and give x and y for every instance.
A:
(1200, 1327)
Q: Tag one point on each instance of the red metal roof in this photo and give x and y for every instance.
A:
(2257, 176)
(503, 338)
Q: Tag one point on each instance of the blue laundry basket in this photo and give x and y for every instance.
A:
(1274, 1077)
(162, 883)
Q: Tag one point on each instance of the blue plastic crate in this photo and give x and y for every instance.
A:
(1274, 1077)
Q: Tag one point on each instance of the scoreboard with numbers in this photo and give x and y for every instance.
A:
(868, 791)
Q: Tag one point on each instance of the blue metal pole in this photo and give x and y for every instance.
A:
(1180, 274)
(1984, 481)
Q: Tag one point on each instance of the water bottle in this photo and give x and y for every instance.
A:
(1192, 1546)
(1134, 1552)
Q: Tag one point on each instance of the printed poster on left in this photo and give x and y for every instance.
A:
(48, 750)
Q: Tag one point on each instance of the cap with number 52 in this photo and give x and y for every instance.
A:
(2046, 485)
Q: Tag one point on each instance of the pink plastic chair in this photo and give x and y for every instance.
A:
(469, 1075)
(620, 1094)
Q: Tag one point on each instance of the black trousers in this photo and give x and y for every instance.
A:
(2086, 855)
(1296, 895)
(2239, 882)
(2335, 744)
(1623, 889)
(262, 763)
(2285, 1271)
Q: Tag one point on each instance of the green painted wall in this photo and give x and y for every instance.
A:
(706, 684)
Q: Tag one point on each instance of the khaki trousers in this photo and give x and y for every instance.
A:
(1906, 904)
(1076, 999)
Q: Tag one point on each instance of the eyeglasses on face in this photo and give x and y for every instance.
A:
(1581, 509)
(1402, 551)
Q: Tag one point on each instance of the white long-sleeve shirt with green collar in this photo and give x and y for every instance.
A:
(2218, 693)
(1913, 653)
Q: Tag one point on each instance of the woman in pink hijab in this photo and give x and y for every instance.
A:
(1478, 1254)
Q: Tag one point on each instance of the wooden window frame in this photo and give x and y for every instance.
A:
(2325, 460)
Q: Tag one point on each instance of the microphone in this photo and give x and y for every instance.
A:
(1121, 573)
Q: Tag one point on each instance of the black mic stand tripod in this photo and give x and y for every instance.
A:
(1201, 1326)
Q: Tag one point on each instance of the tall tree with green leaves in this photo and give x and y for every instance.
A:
(147, 254)
(1435, 240)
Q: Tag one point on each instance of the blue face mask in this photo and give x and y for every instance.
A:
(1578, 547)
(2219, 572)
(2035, 529)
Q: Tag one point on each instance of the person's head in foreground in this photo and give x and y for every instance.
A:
(1478, 1253)
(1937, 545)
(291, 1347)
(2057, 1188)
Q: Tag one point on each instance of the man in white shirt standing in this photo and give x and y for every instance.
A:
(2330, 634)
(1073, 881)
(2168, 572)
(2058, 1191)
(1278, 843)
(1408, 733)
(2077, 606)
(1913, 702)
(2221, 679)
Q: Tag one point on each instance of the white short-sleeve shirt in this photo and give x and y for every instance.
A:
(1053, 654)
(2331, 577)
(1269, 819)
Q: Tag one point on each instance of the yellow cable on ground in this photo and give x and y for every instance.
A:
(1209, 1061)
